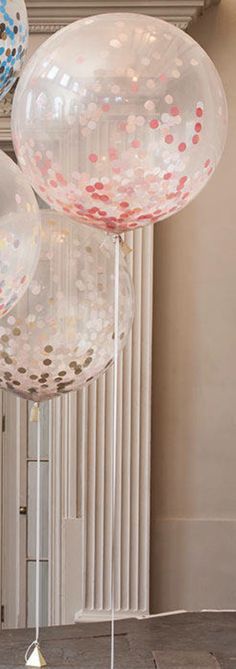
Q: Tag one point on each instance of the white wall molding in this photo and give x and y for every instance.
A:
(47, 16)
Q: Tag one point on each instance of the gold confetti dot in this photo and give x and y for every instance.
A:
(48, 348)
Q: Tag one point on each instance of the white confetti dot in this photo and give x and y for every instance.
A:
(194, 62)
(35, 288)
(150, 83)
(149, 105)
(115, 43)
(92, 125)
(145, 61)
(168, 99)
(11, 320)
(140, 120)
(165, 118)
(31, 318)
(176, 74)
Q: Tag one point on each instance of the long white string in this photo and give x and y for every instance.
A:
(114, 449)
(37, 563)
(37, 600)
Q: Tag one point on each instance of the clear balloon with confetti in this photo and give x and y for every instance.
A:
(13, 42)
(60, 336)
(119, 120)
(19, 234)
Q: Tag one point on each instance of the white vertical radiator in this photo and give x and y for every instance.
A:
(94, 416)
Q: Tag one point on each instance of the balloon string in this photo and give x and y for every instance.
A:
(35, 417)
(37, 598)
(114, 449)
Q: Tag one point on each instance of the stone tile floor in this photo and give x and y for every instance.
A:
(174, 641)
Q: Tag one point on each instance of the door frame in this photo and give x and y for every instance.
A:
(13, 523)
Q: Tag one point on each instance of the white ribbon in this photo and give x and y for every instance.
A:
(35, 643)
(114, 445)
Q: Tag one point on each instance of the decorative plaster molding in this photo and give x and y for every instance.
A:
(49, 28)
(47, 16)
(45, 28)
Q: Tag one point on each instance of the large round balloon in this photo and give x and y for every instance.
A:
(61, 334)
(13, 42)
(119, 120)
(19, 234)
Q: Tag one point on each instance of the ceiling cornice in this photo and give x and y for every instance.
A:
(47, 16)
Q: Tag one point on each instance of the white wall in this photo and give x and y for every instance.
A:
(193, 543)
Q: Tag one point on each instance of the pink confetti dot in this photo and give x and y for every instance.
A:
(61, 180)
(106, 107)
(183, 180)
(199, 111)
(167, 175)
(53, 183)
(113, 153)
(169, 139)
(198, 127)
(134, 87)
(174, 111)
(154, 123)
(195, 139)
(93, 210)
(99, 185)
(182, 147)
(124, 205)
(47, 164)
(89, 189)
(135, 143)
(93, 157)
(207, 163)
